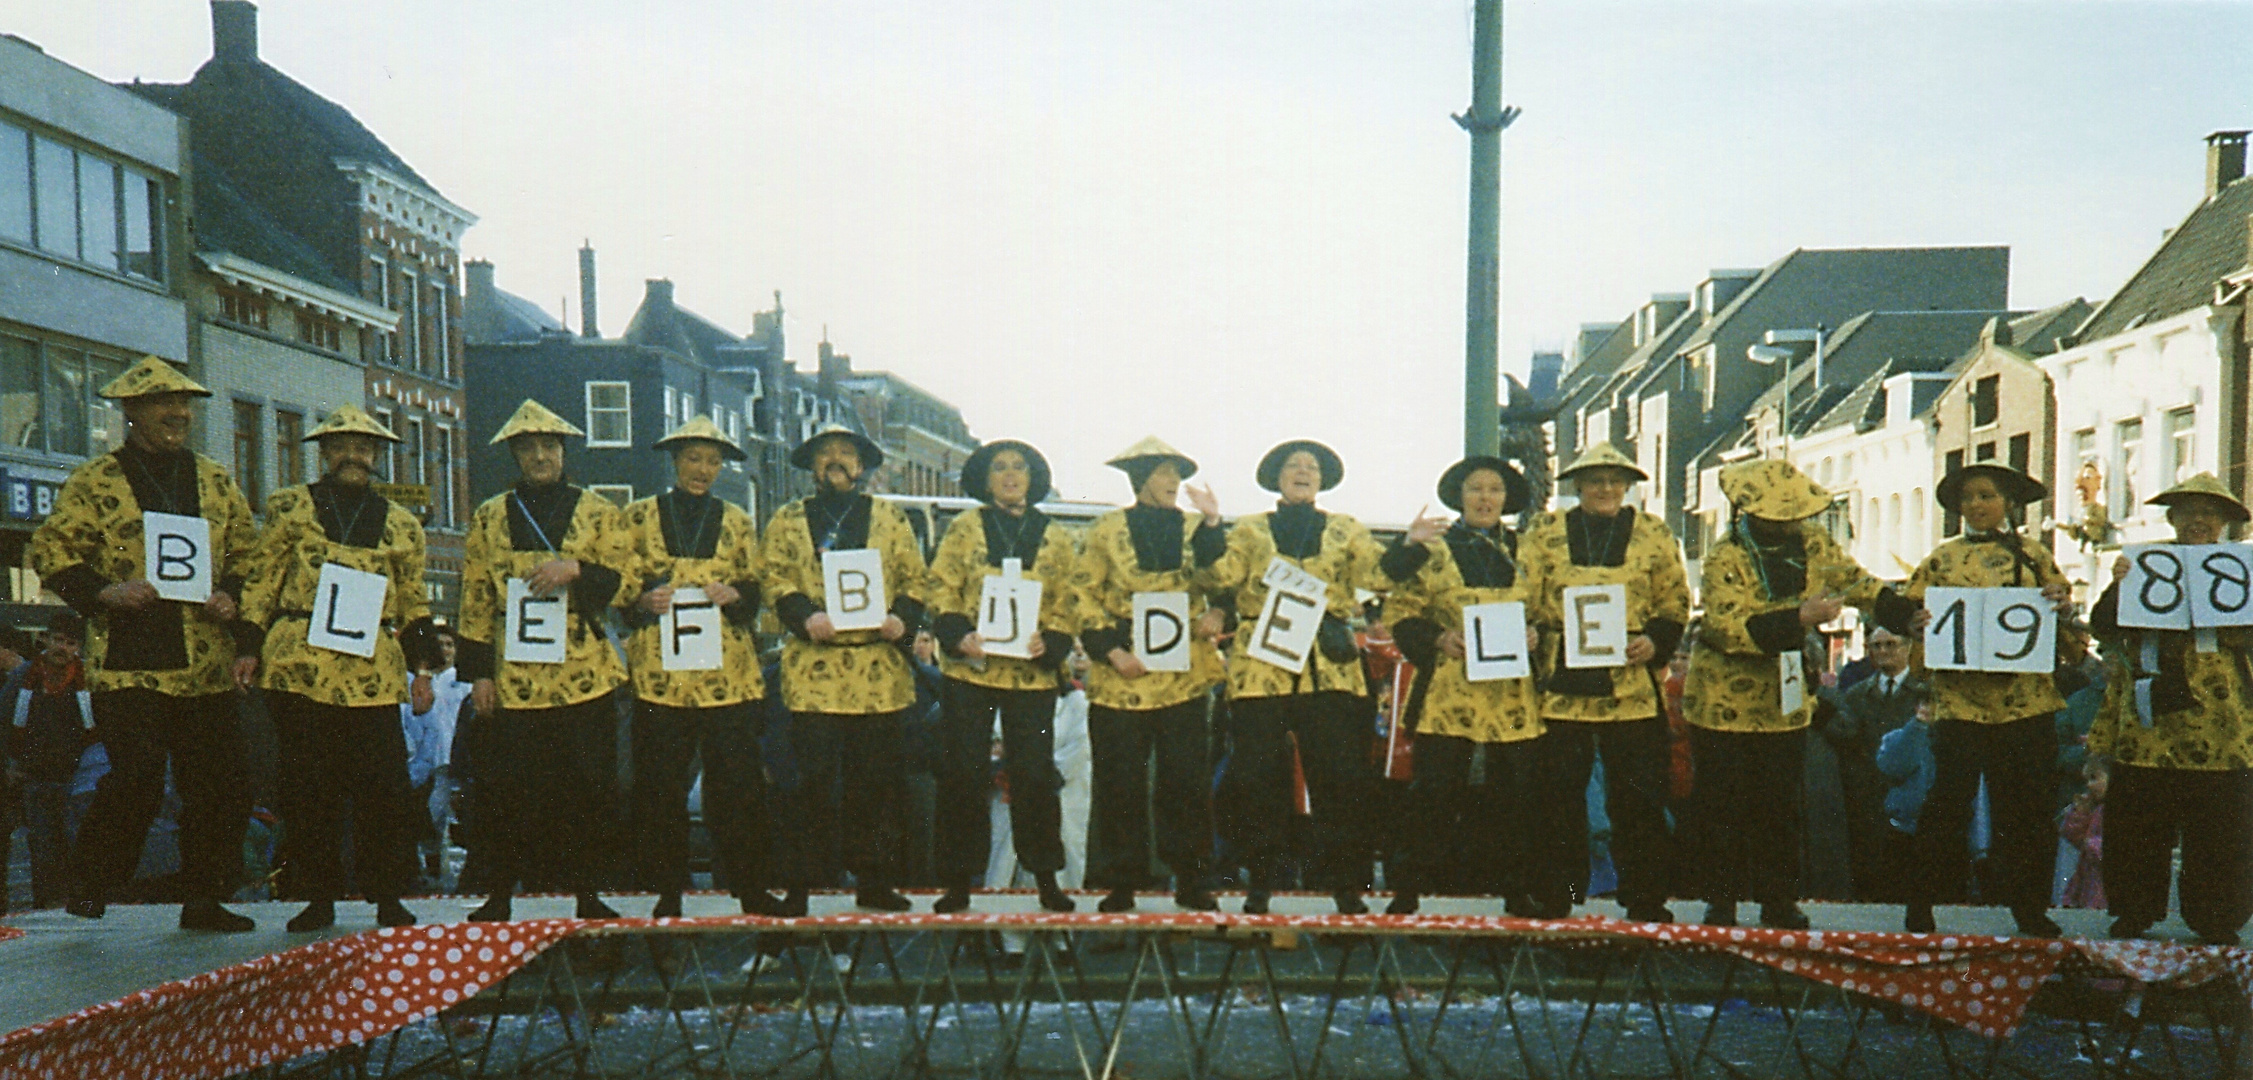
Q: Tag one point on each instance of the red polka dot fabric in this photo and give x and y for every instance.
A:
(7, 932)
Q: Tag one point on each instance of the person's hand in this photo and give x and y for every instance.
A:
(658, 601)
(246, 671)
(1917, 621)
(1640, 648)
(421, 694)
(128, 595)
(1127, 664)
(1212, 624)
(1201, 496)
(1451, 643)
(1036, 648)
(219, 607)
(1819, 610)
(819, 628)
(893, 629)
(2120, 568)
(2058, 593)
(1532, 640)
(483, 696)
(1426, 528)
(721, 593)
(971, 647)
(552, 577)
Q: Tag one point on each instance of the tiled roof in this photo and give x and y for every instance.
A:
(2209, 245)
(1871, 279)
(1867, 343)
(226, 221)
(668, 325)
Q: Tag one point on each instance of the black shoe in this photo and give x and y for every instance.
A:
(1349, 902)
(318, 915)
(590, 906)
(1255, 902)
(2036, 922)
(1721, 913)
(1650, 913)
(1053, 898)
(1521, 907)
(208, 915)
(1404, 902)
(393, 913)
(2124, 929)
(668, 906)
(794, 904)
(87, 909)
(1551, 904)
(1917, 918)
(762, 902)
(1784, 916)
(494, 909)
(882, 898)
(951, 901)
(1194, 898)
(1116, 901)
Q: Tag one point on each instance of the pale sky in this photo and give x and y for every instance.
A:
(1233, 222)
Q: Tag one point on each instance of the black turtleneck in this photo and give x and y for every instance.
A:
(339, 507)
(700, 517)
(1156, 534)
(165, 483)
(550, 507)
(1297, 528)
(837, 520)
(1016, 536)
(1599, 541)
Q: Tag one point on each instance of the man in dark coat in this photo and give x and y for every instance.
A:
(1883, 701)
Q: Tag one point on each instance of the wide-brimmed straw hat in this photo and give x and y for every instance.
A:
(1148, 454)
(2016, 486)
(872, 455)
(1271, 465)
(351, 420)
(1603, 455)
(981, 461)
(701, 429)
(1772, 489)
(2205, 485)
(1518, 490)
(152, 376)
(533, 418)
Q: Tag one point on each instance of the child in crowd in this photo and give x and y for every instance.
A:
(2082, 825)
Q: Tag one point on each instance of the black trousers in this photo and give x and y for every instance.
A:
(849, 767)
(339, 763)
(2015, 758)
(1636, 755)
(553, 795)
(1475, 838)
(2146, 811)
(964, 830)
(1749, 802)
(1122, 742)
(668, 743)
(1333, 730)
(201, 738)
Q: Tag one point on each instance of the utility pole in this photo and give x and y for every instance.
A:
(1482, 420)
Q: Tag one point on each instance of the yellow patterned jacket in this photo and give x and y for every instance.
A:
(1658, 604)
(94, 539)
(279, 597)
(2203, 723)
(591, 667)
(957, 581)
(1492, 711)
(1104, 584)
(1347, 561)
(857, 673)
(734, 561)
(1986, 697)
(1734, 682)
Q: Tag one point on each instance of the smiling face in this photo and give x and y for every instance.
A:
(1601, 489)
(1300, 478)
(2198, 519)
(538, 457)
(1484, 494)
(1162, 489)
(1008, 478)
(695, 466)
(837, 463)
(1982, 504)
(349, 458)
(158, 423)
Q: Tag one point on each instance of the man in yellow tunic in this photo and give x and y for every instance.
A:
(848, 690)
(334, 673)
(696, 569)
(1777, 576)
(1151, 550)
(542, 567)
(1006, 537)
(158, 668)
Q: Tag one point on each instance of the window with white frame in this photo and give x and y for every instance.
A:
(688, 406)
(77, 205)
(442, 478)
(610, 414)
(410, 318)
(2127, 461)
(2182, 444)
(387, 466)
(410, 453)
(672, 402)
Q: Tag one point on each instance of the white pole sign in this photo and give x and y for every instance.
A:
(1791, 682)
(852, 588)
(689, 631)
(533, 626)
(1161, 630)
(1009, 615)
(1990, 630)
(347, 610)
(1595, 626)
(176, 556)
(1494, 642)
(1284, 634)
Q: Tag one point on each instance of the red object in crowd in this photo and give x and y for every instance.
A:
(1682, 770)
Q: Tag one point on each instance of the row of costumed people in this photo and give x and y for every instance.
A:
(326, 612)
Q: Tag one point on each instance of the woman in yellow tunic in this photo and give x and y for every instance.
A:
(1008, 536)
(1998, 725)
(336, 712)
(1602, 541)
(2177, 723)
(1438, 574)
(1133, 712)
(1323, 703)
(687, 539)
(1776, 576)
(552, 541)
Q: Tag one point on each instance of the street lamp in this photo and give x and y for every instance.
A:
(1780, 356)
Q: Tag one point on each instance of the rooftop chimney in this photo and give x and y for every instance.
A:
(659, 294)
(480, 304)
(587, 291)
(2225, 160)
(234, 30)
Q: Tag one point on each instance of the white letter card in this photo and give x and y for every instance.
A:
(534, 626)
(1595, 626)
(1288, 619)
(347, 610)
(176, 556)
(689, 631)
(1161, 630)
(852, 588)
(1989, 630)
(1494, 642)
(1009, 615)
(1791, 682)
